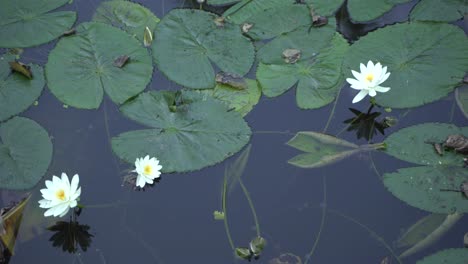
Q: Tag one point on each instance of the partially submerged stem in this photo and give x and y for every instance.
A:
(375, 146)
(226, 225)
(332, 112)
(322, 222)
(252, 208)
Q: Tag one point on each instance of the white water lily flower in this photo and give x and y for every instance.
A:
(60, 195)
(147, 169)
(368, 80)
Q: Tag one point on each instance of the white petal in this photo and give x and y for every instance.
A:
(74, 183)
(75, 195)
(64, 212)
(55, 180)
(370, 66)
(372, 93)
(60, 209)
(49, 212)
(382, 89)
(362, 68)
(360, 96)
(140, 182)
(48, 194)
(355, 84)
(384, 78)
(49, 184)
(73, 204)
(357, 75)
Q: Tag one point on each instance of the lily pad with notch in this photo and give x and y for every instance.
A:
(80, 67)
(317, 73)
(25, 153)
(188, 131)
(436, 10)
(189, 62)
(414, 60)
(17, 91)
(28, 23)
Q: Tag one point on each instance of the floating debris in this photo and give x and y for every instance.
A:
(459, 143)
(234, 80)
(69, 32)
(120, 61)
(286, 258)
(291, 56)
(438, 148)
(147, 37)
(21, 68)
(218, 215)
(246, 27)
(319, 21)
(219, 21)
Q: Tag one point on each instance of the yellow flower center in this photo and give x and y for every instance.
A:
(148, 169)
(60, 194)
(370, 77)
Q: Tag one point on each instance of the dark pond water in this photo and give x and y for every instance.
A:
(173, 222)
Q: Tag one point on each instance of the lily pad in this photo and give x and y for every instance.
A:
(448, 256)
(25, 153)
(366, 10)
(415, 144)
(286, 19)
(436, 10)
(246, 9)
(321, 149)
(426, 61)
(189, 62)
(28, 23)
(80, 68)
(241, 101)
(426, 188)
(317, 73)
(128, 16)
(324, 7)
(17, 92)
(188, 131)
(461, 95)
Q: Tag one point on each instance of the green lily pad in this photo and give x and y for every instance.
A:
(415, 144)
(420, 230)
(17, 92)
(321, 149)
(246, 9)
(28, 23)
(286, 19)
(81, 67)
(461, 95)
(436, 10)
(324, 7)
(242, 101)
(427, 188)
(448, 256)
(25, 153)
(426, 61)
(188, 131)
(189, 62)
(128, 16)
(317, 73)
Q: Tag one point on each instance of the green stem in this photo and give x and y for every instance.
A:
(274, 132)
(332, 112)
(375, 146)
(452, 110)
(252, 208)
(226, 225)
(375, 167)
(372, 232)
(322, 222)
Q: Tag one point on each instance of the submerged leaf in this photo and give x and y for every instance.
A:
(420, 230)
(235, 170)
(232, 80)
(432, 236)
(243, 253)
(218, 215)
(257, 245)
(321, 149)
(28, 23)
(21, 68)
(198, 132)
(447, 256)
(287, 258)
(189, 62)
(461, 95)
(11, 221)
(70, 235)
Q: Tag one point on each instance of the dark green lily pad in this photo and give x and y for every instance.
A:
(317, 73)
(128, 16)
(366, 10)
(461, 95)
(188, 131)
(286, 18)
(189, 62)
(426, 61)
(25, 153)
(28, 23)
(80, 68)
(241, 101)
(426, 188)
(324, 7)
(246, 9)
(448, 256)
(17, 92)
(437, 10)
(321, 149)
(415, 144)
